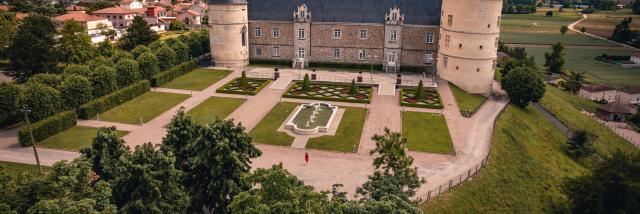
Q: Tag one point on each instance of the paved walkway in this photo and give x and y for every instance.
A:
(551, 118)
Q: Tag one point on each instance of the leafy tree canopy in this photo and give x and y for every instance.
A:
(138, 33)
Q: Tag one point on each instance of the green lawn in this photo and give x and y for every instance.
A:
(266, 132)
(146, 106)
(570, 38)
(348, 134)
(597, 71)
(172, 34)
(426, 132)
(73, 139)
(197, 80)
(214, 107)
(564, 107)
(526, 166)
(466, 102)
(580, 104)
(17, 168)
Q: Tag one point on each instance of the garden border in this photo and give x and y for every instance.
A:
(252, 93)
(441, 106)
(368, 101)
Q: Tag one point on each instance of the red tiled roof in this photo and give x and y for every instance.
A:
(120, 10)
(21, 16)
(193, 12)
(81, 17)
(597, 88)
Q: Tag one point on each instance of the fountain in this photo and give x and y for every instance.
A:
(312, 118)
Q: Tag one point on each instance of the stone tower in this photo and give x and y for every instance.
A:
(469, 31)
(228, 29)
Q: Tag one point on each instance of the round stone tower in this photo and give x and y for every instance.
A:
(468, 43)
(228, 32)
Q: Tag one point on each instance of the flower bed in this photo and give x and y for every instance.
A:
(431, 98)
(339, 92)
(234, 87)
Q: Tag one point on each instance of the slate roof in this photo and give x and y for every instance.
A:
(616, 107)
(418, 12)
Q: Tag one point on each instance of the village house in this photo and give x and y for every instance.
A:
(630, 95)
(614, 111)
(598, 92)
(90, 23)
(120, 17)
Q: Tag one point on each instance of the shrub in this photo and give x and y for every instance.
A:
(127, 71)
(306, 83)
(139, 50)
(51, 80)
(148, 65)
(43, 101)
(344, 65)
(103, 80)
(175, 72)
(82, 70)
(75, 91)
(47, 127)
(549, 13)
(564, 29)
(166, 57)
(181, 50)
(9, 104)
(354, 87)
(420, 91)
(271, 62)
(114, 99)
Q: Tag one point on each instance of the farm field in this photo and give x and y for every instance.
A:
(602, 23)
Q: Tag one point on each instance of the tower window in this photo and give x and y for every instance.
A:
(276, 32)
(489, 26)
(276, 51)
(301, 33)
(429, 38)
(394, 35)
(392, 57)
(480, 47)
(445, 61)
(337, 34)
(450, 20)
(498, 21)
(243, 34)
(447, 40)
(459, 45)
(477, 69)
(457, 68)
(258, 32)
(363, 34)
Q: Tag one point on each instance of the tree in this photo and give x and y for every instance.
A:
(354, 87)
(10, 103)
(105, 48)
(306, 83)
(121, 55)
(623, 33)
(32, 51)
(564, 29)
(42, 100)
(580, 144)
(279, 192)
(9, 26)
(138, 33)
(420, 91)
(139, 50)
(108, 154)
(151, 184)
(177, 25)
(583, 30)
(636, 7)
(74, 44)
(99, 61)
(82, 70)
(393, 175)
(524, 85)
(549, 13)
(127, 72)
(181, 131)
(51, 80)
(244, 83)
(75, 90)
(148, 64)
(612, 187)
(555, 61)
(575, 83)
(166, 58)
(195, 46)
(103, 80)
(181, 50)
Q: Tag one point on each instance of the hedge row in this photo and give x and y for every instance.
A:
(377, 67)
(48, 127)
(172, 73)
(288, 95)
(419, 105)
(283, 63)
(114, 99)
(252, 93)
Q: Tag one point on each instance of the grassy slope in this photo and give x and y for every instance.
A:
(348, 134)
(147, 106)
(197, 80)
(18, 168)
(266, 131)
(580, 104)
(466, 102)
(525, 168)
(426, 132)
(214, 107)
(73, 139)
(597, 71)
(561, 106)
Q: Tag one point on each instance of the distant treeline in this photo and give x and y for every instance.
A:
(519, 6)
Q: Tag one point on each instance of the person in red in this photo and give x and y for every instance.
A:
(306, 158)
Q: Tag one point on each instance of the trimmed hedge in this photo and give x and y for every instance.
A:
(172, 73)
(48, 127)
(114, 99)
(284, 63)
(377, 67)
(252, 93)
(368, 101)
(420, 105)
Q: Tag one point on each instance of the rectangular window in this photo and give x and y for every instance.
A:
(428, 56)
(258, 51)
(337, 34)
(300, 52)
(363, 34)
(496, 43)
(498, 22)
(362, 55)
(301, 33)
(244, 36)
(258, 32)
(392, 57)
(276, 51)
(336, 53)
(445, 61)
(276, 33)
(450, 20)
(429, 38)
(394, 35)
(447, 40)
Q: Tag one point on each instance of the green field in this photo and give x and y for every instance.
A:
(579, 59)
(347, 136)
(197, 80)
(146, 106)
(214, 107)
(73, 139)
(426, 132)
(526, 166)
(17, 168)
(466, 102)
(266, 132)
(172, 34)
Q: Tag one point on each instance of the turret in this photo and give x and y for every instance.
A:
(469, 32)
(228, 32)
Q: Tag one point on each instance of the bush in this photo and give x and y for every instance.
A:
(42, 100)
(9, 104)
(166, 57)
(283, 63)
(168, 75)
(344, 65)
(148, 64)
(114, 99)
(48, 127)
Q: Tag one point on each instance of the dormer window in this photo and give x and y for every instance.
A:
(394, 16)
(302, 13)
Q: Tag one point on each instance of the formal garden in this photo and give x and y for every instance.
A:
(266, 132)
(420, 97)
(329, 91)
(427, 132)
(244, 85)
(347, 137)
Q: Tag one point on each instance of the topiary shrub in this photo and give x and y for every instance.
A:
(354, 87)
(306, 83)
(48, 127)
(420, 91)
(243, 81)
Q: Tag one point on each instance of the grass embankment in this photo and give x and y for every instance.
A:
(466, 102)
(18, 168)
(146, 106)
(567, 109)
(426, 132)
(73, 139)
(266, 132)
(347, 136)
(524, 173)
(214, 107)
(197, 80)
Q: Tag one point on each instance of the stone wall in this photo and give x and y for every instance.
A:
(322, 35)
(267, 28)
